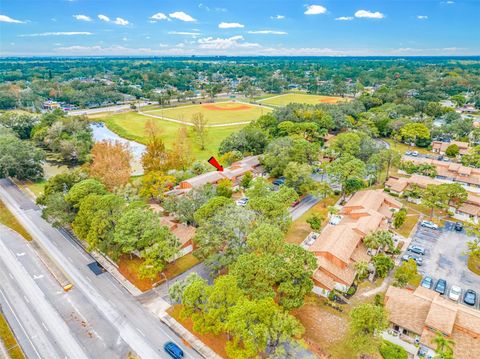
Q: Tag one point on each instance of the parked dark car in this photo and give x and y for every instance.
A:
(441, 286)
(173, 350)
(279, 181)
(470, 297)
(416, 249)
(458, 227)
(427, 282)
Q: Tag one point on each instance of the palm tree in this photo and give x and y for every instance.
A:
(379, 239)
(362, 269)
(444, 346)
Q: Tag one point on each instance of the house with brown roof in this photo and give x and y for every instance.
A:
(234, 173)
(340, 246)
(456, 172)
(441, 147)
(416, 316)
(469, 211)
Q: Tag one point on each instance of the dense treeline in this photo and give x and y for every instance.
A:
(87, 82)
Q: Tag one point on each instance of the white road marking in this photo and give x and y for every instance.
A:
(140, 332)
(37, 276)
(20, 254)
(26, 299)
(43, 324)
(10, 275)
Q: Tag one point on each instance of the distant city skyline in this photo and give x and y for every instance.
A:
(236, 28)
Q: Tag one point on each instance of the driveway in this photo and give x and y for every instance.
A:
(445, 257)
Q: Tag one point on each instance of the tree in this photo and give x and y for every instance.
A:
(19, 159)
(452, 151)
(111, 163)
(383, 264)
(315, 221)
(379, 239)
(259, 327)
(367, 322)
(96, 219)
(154, 184)
(224, 188)
(434, 198)
(21, 123)
(299, 177)
(414, 132)
(155, 157)
(362, 269)
(177, 288)
(200, 129)
(209, 209)
(181, 156)
(399, 218)
(406, 273)
(388, 159)
(57, 211)
(345, 168)
(83, 189)
(246, 180)
(60, 183)
(444, 346)
(353, 185)
(249, 140)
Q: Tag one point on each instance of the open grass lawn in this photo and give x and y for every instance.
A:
(8, 219)
(215, 113)
(402, 147)
(285, 99)
(300, 228)
(474, 264)
(407, 226)
(9, 340)
(439, 216)
(129, 269)
(215, 342)
(131, 125)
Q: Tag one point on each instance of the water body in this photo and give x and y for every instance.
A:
(102, 133)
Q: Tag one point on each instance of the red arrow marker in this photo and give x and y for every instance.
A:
(215, 163)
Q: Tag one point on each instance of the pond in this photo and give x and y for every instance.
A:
(102, 133)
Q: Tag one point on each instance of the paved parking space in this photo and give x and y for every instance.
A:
(445, 257)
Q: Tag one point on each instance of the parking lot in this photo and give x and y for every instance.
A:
(445, 257)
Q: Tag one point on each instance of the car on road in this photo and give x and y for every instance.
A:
(296, 203)
(416, 249)
(441, 286)
(458, 227)
(279, 181)
(242, 202)
(408, 153)
(414, 153)
(173, 350)
(470, 297)
(428, 224)
(407, 257)
(427, 282)
(454, 293)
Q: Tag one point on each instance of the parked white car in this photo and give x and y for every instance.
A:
(242, 202)
(454, 293)
(428, 224)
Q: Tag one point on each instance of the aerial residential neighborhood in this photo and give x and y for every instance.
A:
(239, 180)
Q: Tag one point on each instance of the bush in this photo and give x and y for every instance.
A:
(392, 351)
(399, 218)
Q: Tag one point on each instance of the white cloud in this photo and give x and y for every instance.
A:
(180, 15)
(344, 18)
(268, 32)
(184, 33)
(225, 43)
(104, 18)
(369, 14)
(159, 16)
(5, 18)
(59, 33)
(277, 17)
(422, 17)
(82, 17)
(206, 8)
(121, 22)
(230, 25)
(315, 10)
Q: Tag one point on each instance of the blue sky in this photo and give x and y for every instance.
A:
(239, 27)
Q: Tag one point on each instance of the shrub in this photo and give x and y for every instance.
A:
(399, 217)
(389, 350)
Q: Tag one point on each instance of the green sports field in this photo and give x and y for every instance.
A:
(285, 99)
(214, 113)
(131, 125)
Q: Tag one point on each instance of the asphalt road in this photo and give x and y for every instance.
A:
(134, 324)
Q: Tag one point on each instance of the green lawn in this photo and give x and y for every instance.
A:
(8, 219)
(214, 113)
(285, 99)
(402, 147)
(131, 125)
(407, 226)
(9, 340)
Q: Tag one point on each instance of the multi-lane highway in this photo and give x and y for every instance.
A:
(112, 312)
